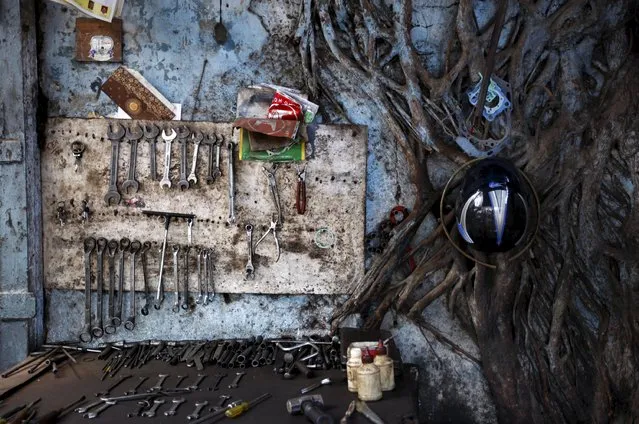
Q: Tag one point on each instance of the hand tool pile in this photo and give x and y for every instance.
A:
(117, 134)
(289, 357)
(133, 251)
(51, 357)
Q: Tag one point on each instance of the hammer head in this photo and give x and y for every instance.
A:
(294, 405)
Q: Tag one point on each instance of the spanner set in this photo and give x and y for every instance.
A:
(133, 252)
(181, 135)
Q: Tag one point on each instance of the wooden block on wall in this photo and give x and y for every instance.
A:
(98, 41)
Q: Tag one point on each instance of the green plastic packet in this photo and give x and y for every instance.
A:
(292, 153)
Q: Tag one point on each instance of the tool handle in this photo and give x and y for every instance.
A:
(300, 200)
(315, 414)
(237, 410)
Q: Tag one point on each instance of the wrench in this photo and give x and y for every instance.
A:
(124, 246)
(158, 385)
(217, 172)
(199, 276)
(221, 404)
(194, 386)
(89, 246)
(159, 298)
(151, 412)
(83, 409)
(134, 390)
(197, 139)
(231, 218)
(97, 331)
(147, 295)
(176, 404)
(151, 132)
(205, 256)
(94, 414)
(132, 136)
(183, 136)
(176, 305)
(115, 137)
(219, 379)
(113, 386)
(198, 408)
(130, 321)
(210, 178)
(185, 284)
(142, 405)
(236, 382)
(166, 180)
(210, 288)
(112, 248)
(249, 270)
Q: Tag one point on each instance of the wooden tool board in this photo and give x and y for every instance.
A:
(336, 186)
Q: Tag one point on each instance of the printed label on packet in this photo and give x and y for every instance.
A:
(283, 107)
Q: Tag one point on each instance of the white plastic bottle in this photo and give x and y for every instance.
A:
(386, 369)
(354, 362)
(369, 386)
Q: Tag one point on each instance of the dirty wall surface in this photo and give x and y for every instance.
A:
(168, 42)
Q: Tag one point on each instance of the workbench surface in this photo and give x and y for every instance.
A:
(84, 379)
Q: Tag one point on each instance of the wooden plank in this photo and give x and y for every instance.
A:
(336, 200)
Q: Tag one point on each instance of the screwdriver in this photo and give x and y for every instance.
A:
(239, 408)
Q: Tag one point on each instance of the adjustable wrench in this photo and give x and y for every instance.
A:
(151, 412)
(151, 132)
(115, 137)
(231, 218)
(198, 408)
(183, 136)
(132, 136)
(176, 404)
(185, 283)
(176, 305)
(89, 246)
(124, 246)
(249, 270)
(112, 248)
(147, 295)
(97, 331)
(197, 139)
(200, 298)
(166, 180)
(130, 321)
(205, 256)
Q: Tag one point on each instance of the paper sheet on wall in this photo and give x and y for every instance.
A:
(104, 10)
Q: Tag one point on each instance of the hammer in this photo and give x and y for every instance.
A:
(311, 407)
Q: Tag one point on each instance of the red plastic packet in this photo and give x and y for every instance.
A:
(283, 107)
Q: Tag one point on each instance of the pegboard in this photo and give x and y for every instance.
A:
(336, 186)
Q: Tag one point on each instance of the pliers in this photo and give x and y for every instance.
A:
(272, 228)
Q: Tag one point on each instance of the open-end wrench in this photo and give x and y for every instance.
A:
(205, 258)
(168, 138)
(113, 386)
(236, 383)
(183, 137)
(198, 408)
(151, 132)
(200, 298)
(124, 247)
(95, 413)
(217, 172)
(231, 218)
(159, 298)
(135, 388)
(132, 136)
(115, 136)
(249, 270)
(212, 142)
(154, 409)
(158, 385)
(142, 405)
(219, 379)
(89, 246)
(176, 305)
(176, 404)
(185, 283)
(197, 139)
(112, 249)
(222, 403)
(130, 321)
(200, 377)
(147, 295)
(83, 409)
(97, 331)
(210, 289)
